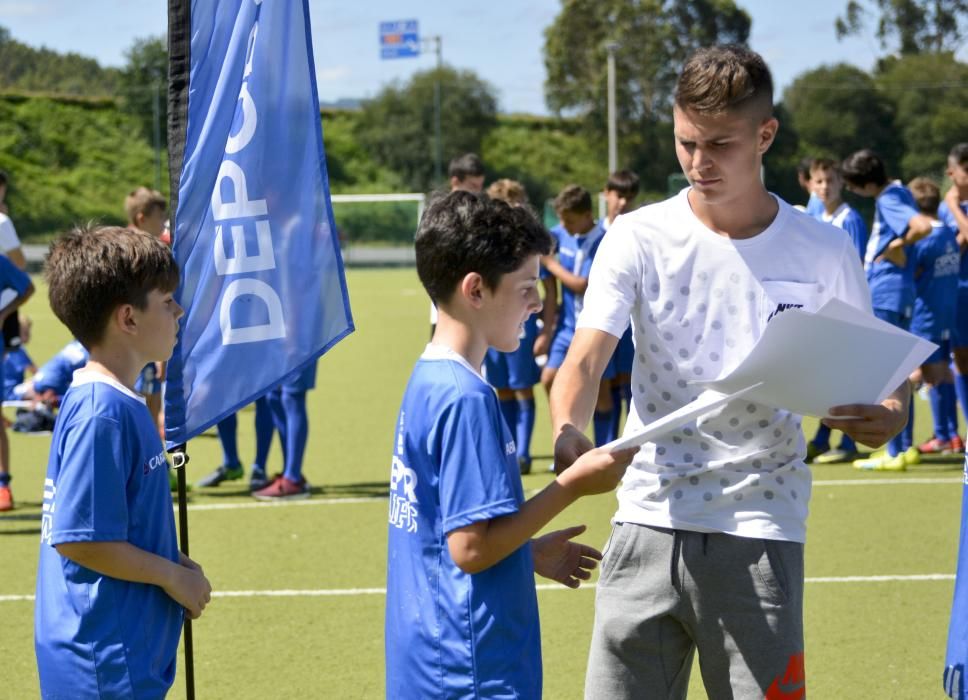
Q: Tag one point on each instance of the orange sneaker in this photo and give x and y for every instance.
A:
(957, 444)
(6, 498)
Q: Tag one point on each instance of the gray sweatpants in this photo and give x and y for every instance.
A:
(663, 594)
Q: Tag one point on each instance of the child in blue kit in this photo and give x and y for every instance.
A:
(514, 374)
(890, 268)
(578, 238)
(954, 212)
(11, 277)
(461, 609)
(937, 262)
(827, 184)
(112, 587)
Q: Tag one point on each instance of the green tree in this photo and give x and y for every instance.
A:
(143, 86)
(26, 69)
(836, 110)
(914, 26)
(929, 92)
(653, 38)
(397, 126)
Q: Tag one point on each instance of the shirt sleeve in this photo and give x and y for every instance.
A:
(614, 282)
(90, 500)
(8, 235)
(13, 277)
(850, 285)
(855, 227)
(474, 483)
(896, 212)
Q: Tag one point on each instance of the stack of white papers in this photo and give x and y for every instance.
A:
(808, 363)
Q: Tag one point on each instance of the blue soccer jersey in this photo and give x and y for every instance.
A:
(575, 253)
(107, 481)
(814, 206)
(959, 336)
(56, 374)
(892, 286)
(846, 217)
(15, 364)
(937, 263)
(450, 634)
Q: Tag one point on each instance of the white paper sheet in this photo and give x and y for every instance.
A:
(809, 362)
(706, 402)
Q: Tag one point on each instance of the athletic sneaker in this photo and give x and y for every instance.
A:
(934, 446)
(283, 489)
(6, 498)
(524, 464)
(835, 456)
(222, 473)
(258, 479)
(814, 450)
(957, 444)
(886, 463)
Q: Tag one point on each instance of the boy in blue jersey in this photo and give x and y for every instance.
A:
(814, 205)
(514, 374)
(578, 238)
(937, 261)
(898, 225)
(52, 380)
(461, 609)
(828, 186)
(112, 587)
(621, 189)
(17, 362)
(954, 212)
(11, 277)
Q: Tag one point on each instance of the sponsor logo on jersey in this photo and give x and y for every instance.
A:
(154, 462)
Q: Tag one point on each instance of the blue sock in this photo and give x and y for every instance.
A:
(603, 427)
(950, 403)
(938, 414)
(297, 432)
(907, 435)
(274, 402)
(263, 433)
(617, 408)
(227, 429)
(5, 478)
(509, 409)
(961, 389)
(525, 427)
(822, 438)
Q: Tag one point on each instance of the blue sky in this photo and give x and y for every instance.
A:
(500, 40)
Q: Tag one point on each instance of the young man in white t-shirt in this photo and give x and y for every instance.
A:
(707, 548)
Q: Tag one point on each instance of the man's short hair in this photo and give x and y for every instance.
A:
(927, 194)
(462, 232)
(510, 191)
(92, 271)
(143, 201)
(465, 166)
(864, 167)
(959, 154)
(574, 199)
(725, 78)
(625, 182)
(818, 165)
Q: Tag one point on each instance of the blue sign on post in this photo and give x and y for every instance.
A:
(399, 39)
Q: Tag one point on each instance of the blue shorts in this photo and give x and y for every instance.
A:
(300, 380)
(959, 334)
(624, 353)
(147, 382)
(942, 354)
(514, 370)
(559, 348)
(895, 318)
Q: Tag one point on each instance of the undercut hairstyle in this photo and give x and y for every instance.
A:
(574, 199)
(90, 272)
(927, 194)
(462, 232)
(510, 191)
(465, 166)
(625, 182)
(725, 78)
(820, 165)
(864, 167)
(959, 155)
(144, 201)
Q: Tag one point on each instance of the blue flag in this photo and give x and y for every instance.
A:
(957, 658)
(262, 278)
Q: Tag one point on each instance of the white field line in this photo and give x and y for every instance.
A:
(347, 592)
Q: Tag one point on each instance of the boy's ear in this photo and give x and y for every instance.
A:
(766, 134)
(472, 288)
(123, 317)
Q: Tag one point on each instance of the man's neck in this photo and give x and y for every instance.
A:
(741, 218)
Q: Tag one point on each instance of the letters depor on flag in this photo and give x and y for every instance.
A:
(262, 277)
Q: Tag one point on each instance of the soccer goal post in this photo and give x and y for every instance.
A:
(388, 219)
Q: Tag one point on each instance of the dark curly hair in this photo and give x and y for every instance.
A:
(461, 232)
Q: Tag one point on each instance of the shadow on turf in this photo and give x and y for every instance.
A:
(363, 489)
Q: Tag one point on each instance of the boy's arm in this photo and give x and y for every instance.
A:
(17, 302)
(575, 283)
(549, 315)
(483, 544)
(953, 200)
(184, 582)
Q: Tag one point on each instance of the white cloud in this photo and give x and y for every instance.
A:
(332, 74)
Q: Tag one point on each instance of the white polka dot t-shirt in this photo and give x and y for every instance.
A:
(698, 302)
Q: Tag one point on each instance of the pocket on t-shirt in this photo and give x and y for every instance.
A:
(780, 296)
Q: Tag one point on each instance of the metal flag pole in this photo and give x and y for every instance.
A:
(179, 458)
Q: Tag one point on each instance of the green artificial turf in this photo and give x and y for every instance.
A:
(298, 616)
